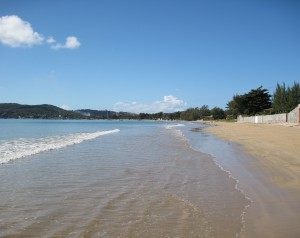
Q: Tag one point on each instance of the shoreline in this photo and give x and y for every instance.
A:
(275, 146)
(271, 178)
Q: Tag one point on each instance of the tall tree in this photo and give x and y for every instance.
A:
(285, 98)
(293, 97)
(257, 100)
(251, 103)
(280, 99)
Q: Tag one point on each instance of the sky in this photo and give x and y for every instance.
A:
(145, 55)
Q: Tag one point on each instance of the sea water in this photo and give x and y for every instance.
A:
(113, 179)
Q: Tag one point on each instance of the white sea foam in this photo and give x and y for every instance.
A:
(19, 148)
(174, 125)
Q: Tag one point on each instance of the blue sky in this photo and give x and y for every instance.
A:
(145, 56)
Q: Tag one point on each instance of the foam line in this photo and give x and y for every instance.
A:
(19, 148)
(172, 126)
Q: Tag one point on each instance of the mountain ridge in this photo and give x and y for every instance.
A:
(48, 111)
(42, 111)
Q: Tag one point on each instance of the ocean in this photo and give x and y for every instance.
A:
(115, 179)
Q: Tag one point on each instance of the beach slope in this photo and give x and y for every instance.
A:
(275, 185)
(277, 147)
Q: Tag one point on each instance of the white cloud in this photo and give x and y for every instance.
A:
(51, 40)
(71, 43)
(168, 104)
(15, 32)
(65, 107)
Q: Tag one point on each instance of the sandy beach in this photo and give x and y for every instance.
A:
(275, 189)
(277, 147)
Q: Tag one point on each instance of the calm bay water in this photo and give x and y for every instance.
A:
(113, 179)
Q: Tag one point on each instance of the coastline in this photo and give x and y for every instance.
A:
(273, 175)
(275, 146)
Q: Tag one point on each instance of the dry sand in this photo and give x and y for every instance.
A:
(277, 146)
(275, 211)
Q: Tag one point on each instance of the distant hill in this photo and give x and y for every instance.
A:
(44, 111)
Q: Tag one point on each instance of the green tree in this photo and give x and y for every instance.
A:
(193, 114)
(204, 112)
(293, 96)
(257, 100)
(236, 106)
(285, 98)
(190, 114)
(217, 113)
(251, 103)
(280, 99)
(172, 116)
(143, 116)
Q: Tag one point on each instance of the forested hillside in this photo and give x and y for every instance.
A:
(44, 111)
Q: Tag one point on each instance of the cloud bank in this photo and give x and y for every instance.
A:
(15, 32)
(168, 104)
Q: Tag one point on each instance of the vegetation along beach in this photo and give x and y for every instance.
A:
(149, 119)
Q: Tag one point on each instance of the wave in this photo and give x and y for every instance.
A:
(174, 125)
(19, 148)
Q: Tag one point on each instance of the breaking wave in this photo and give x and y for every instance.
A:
(173, 125)
(19, 148)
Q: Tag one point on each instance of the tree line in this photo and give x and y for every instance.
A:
(259, 101)
(285, 98)
(255, 102)
(190, 114)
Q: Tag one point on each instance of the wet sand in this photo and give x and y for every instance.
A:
(276, 146)
(273, 181)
